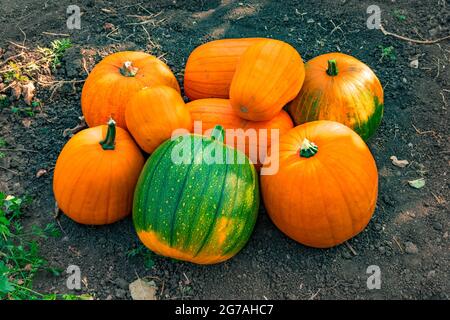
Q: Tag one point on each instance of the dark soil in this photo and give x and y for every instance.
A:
(415, 127)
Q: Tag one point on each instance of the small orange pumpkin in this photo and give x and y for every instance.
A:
(270, 73)
(212, 112)
(115, 79)
(96, 173)
(325, 190)
(340, 88)
(211, 66)
(153, 113)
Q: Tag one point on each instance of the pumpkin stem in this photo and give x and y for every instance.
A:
(218, 133)
(332, 68)
(308, 149)
(128, 70)
(110, 139)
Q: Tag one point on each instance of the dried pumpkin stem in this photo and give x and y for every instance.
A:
(110, 140)
(308, 149)
(128, 70)
(332, 68)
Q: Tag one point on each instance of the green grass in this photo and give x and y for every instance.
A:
(387, 53)
(143, 252)
(20, 259)
(399, 15)
(56, 51)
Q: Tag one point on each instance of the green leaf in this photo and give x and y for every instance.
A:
(5, 285)
(417, 184)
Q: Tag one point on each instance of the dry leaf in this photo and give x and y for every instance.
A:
(40, 173)
(16, 91)
(28, 91)
(414, 63)
(417, 184)
(26, 122)
(142, 290)
(399, 163)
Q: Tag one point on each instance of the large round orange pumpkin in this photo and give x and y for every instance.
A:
(212, 112)
(153, 113)
(115, 79)
(270, 73)
(96, 173)
(340, 88)
(325, 190)
(211, 66)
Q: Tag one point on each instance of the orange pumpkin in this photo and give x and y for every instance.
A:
(270, 73)
(212, 112)
(96, 173)
(325, 190)
(115, 79)
(211, 66)
(153, 113)
(340, 88)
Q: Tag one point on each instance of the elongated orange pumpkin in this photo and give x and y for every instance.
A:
(340, 88)
(212, 112)
(325, 190)
(96, 173)
(153, 113)
(115, 79)
(270, 73)
(211, 66)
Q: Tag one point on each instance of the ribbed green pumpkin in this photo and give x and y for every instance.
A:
(196, 211)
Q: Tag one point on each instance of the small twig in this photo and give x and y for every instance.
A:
(17, 45)
(11, 58)
(443, 100)
(12, 171)
(85, 66)
(422, 132)
(398, 244)
(18, 150)
(387, 33)
(56, 211)
(56, 34)
(315, 294)
(438, 67)
(336, 28)
(351, 248)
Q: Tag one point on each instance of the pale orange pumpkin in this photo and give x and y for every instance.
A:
(325, 190)
(212, 112)
(115, 79)
(269, 74)
(211, 66)
(96, 173)
(152, 115)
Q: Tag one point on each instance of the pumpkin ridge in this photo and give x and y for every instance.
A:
(216, 214)
(247, 223)
(345, 200)
(143, 225)
(205, 186)
(180, 193)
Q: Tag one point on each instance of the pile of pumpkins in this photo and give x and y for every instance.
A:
(325, 189)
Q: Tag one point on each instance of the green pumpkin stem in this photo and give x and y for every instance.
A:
(110, 140)
(308, 149)
(218, 133)
(128, 70)
(332, 68)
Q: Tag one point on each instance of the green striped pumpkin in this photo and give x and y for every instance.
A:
(196, 211)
